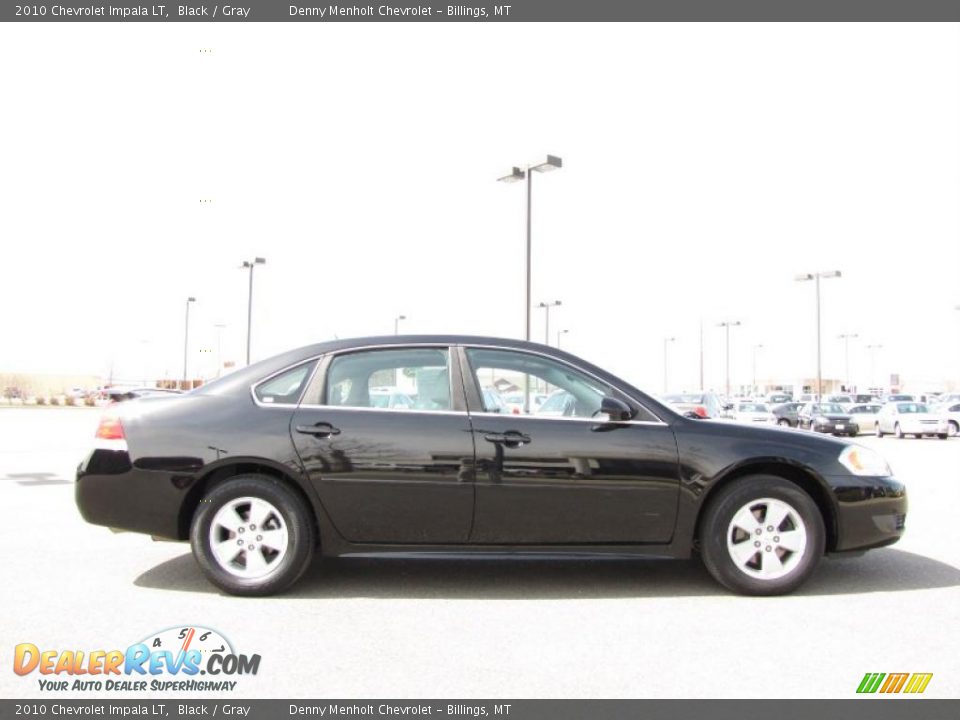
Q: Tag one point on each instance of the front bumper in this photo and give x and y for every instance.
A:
(871, 511)
(915, 428)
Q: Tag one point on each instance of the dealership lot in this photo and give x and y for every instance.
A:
(444, 629)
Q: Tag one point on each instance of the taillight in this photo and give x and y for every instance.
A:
(110, 428)
(701, 411)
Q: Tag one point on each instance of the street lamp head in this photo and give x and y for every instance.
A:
(260, 261)
(515, 176)
(803, 276)
(552, 163)
(830, 274)
(191, 299)
(401, 317)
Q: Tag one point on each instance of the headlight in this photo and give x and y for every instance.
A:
(861, 460)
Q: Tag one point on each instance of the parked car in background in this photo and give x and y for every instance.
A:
(864, 415)
(753, 412)
(951, 412)
(287, 458)
(558, 404)
(864, 399)
(493, 402)
(702, 404)
(386, 397)
(778, 398)
(843, 400)
(827, 418)
(787, 414)
(899, 398)
(910, 418)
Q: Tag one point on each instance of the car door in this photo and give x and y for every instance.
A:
(571, 478)
(400, 474)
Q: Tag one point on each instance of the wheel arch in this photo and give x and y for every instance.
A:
(802, 477)
(236, 467)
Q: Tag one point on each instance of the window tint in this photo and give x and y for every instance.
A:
(529, 384)
(285, 388)
(410, 379)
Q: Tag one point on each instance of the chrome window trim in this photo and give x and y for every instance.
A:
(354, 408)
(592, 421)
(253, 388)
(659, 420)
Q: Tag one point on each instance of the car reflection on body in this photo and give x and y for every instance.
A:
(827, 418)
(264, 468)
(910, 418)
(702, 404)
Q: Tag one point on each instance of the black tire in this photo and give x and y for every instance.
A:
(953, 428)
(295, 516)
(719, 514)
(877, 430)
(942, 436)
(783, 422)
(898, 432)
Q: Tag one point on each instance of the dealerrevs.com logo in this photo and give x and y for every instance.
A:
(894, 682)
(170, 660)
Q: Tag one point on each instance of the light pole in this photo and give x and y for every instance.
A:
(847, 337)
(560, 333)
(186, 339)
(546, 306)
(396, 323)
(251, 265)
(219, 327)
(726, 325)
(666, 342)
(816, 278)
(755, 348)
(873, 363)
(551, 163)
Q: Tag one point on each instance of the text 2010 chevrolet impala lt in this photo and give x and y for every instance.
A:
(399, 445)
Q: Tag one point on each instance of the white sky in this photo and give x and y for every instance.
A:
(704, 166)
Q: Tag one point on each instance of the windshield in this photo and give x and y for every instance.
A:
(911, 408)
(828, 409)
(752, 407)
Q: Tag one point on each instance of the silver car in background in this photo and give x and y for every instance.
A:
(752, 413)
(910, 418)
(864, 415)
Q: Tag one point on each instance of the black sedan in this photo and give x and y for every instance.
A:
(290, 457)
(787, 414)
(827, 418)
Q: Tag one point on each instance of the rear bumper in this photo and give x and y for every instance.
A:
(872, 512)
(113, 493)
(845, 428)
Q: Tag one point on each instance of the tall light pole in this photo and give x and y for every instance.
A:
(666, 365)
(559, 334)
(816, 278)
(551, 163)
(186, 339)
(726, 325)
(219, 327)
(546, 306)
(755, 348)
(873, 363)
(396, 323)
(847, 337)
(251, 265)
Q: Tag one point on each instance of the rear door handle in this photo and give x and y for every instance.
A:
(511, 438)
(320, 430)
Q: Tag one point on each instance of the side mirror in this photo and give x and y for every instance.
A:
(616, 410)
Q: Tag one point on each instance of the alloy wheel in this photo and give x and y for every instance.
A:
(766, 538)
(248, 537)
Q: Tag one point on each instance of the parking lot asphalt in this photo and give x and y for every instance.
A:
(408, 629)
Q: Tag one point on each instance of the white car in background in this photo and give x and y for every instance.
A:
(910, 418)
(752, 413)
(865, 415)
(951, 413)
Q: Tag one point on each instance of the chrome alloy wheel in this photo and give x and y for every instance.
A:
(248, 537)
(766, 539)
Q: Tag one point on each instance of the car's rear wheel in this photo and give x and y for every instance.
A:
(783, 422)
(942, 436)
(897, 431)
(877, 430)
(252, 535)
(762, 535)
(953, 428)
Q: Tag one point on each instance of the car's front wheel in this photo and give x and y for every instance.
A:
(252, 535)
(762, 535)
(877, 430)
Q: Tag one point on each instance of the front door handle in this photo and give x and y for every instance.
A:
(320, 430)
(511, 438)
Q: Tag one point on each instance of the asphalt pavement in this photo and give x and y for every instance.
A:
(409, 629)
